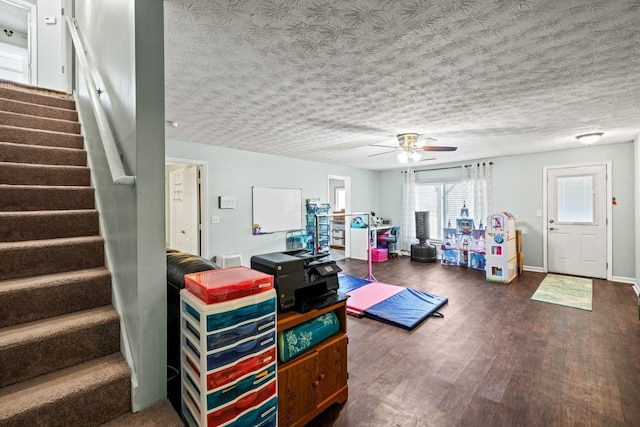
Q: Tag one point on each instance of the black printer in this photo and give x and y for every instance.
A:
(302, 280)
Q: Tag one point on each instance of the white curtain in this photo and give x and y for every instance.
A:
(407, 212)
(479, 176)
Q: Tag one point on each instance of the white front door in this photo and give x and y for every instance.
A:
(577, 220)
(183, 223)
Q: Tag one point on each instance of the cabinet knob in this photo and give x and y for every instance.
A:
(316, 383)
(322, 376)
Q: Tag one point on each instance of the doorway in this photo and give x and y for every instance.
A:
(18, 23)
(577, 230)
(185, 202)
(339, 196)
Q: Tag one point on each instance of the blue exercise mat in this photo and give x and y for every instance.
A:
(406, 309)
(350, 283)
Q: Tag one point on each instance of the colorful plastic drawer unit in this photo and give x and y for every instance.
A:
(227, 394)
(240, 369)
(214, 286)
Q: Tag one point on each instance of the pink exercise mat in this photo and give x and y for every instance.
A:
(368, 295)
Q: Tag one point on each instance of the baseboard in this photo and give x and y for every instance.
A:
(628, 280)
(533, 269)
(636, 289)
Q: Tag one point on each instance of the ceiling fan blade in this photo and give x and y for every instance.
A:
(380, 154)
(423, 139)
(438, 148)
(430, 158)
(383, 146)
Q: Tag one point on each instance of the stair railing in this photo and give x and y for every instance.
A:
(115, 166)
(110, 148)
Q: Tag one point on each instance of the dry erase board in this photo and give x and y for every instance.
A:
(276, 209)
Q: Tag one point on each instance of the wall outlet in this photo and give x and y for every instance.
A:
(215, 219)
(225, 202)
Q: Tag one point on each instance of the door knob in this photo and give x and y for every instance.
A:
(551, 221)
(183, 232)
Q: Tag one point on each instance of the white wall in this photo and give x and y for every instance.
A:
(234, 172)
(50, 36)
(517, 188)
(125, 43)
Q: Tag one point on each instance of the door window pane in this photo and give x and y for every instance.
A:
(575, 199)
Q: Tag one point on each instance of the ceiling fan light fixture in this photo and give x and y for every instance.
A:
(589, 138)
(415, 156)
(403, 157)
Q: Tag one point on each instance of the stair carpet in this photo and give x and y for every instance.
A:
(59, 334)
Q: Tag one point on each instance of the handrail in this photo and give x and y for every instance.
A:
(113, 157)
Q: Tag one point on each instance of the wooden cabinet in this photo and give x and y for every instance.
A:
(317, 378)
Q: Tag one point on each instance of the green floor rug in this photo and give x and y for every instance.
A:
(565, 290)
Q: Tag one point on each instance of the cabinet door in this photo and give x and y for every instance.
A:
(332, 368)
(296, 390)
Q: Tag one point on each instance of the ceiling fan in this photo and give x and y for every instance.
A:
(410, 145)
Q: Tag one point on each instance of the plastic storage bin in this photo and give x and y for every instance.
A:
(379, 255)
(225, 284)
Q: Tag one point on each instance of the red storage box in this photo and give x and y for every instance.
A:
(214, 286)
(379, 255)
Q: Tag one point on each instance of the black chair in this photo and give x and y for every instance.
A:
(391, 240)
(178, 264)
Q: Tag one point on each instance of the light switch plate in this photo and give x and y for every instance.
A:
(226, 202)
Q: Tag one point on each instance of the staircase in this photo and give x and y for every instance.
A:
(59, 334)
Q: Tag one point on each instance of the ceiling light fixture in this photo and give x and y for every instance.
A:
(589, 138)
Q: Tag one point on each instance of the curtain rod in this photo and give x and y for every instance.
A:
(450, 167)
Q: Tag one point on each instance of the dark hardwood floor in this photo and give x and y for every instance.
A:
(497, 358)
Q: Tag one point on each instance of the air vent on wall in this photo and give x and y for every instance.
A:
(231, 260)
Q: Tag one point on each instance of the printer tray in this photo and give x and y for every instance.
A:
(322, 301)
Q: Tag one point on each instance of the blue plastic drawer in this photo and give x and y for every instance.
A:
(262, 416)
(231, 392)
(224, 357)
(233, 317)
(241, 332)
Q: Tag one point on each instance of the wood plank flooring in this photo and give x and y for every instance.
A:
(497, 358)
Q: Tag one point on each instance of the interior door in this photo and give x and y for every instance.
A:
(16, 41)
(183, 229)
(577, 220)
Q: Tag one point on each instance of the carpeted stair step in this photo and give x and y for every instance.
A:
(160, 414)
(33, 298)
(27, 108)
(41, 137)
(36, 257)
(38, 348)
(35, 225)
(26, 94)
(54, 175)
(35, 122)
(21, 153)
(45, 198)
(83, 395)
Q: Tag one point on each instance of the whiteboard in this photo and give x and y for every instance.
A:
(276, 209)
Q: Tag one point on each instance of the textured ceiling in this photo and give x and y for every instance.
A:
(323, 79)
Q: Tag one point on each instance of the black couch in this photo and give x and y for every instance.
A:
(178, 264)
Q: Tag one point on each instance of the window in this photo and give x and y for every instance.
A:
(339, 199)
(443, 200)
